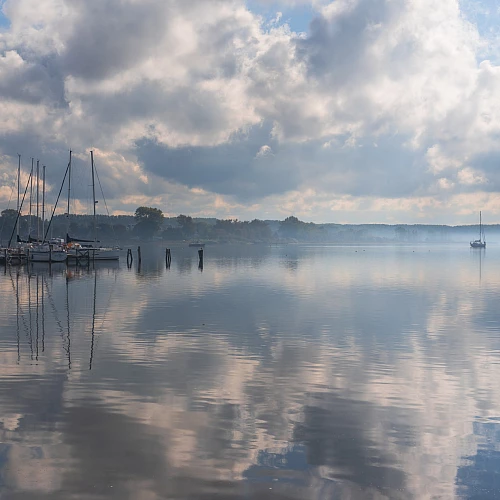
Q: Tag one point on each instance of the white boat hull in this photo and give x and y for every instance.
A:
(94, 253)
(478, 244)
(46, 256)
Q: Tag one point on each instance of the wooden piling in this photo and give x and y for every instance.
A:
(168, 258)
(200, 256)
(130, 258)
(139, 255)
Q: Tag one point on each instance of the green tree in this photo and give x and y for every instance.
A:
(187, 224)
(290, 227)
(120, 231)
(7, 222)
(149, 221)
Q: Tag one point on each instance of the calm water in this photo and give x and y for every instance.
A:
(295, 372)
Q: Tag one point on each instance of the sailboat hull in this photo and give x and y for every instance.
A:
(46, 256)
(478, 244)
(94, 253)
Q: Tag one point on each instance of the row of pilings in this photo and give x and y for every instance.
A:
(168, 257)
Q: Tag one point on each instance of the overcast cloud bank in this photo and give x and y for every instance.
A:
(382, 111)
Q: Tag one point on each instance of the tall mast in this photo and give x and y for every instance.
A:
(69, 184)
(18, 182)
(43, 201)
(38, 199)
(93, 194)
(480, 224)
(31, 196)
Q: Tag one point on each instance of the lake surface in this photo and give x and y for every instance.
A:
(290, 372)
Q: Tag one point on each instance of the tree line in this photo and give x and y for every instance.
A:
(150, 223)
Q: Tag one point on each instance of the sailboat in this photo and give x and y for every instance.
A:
(45, 251)
(481, 242)
(78, 248)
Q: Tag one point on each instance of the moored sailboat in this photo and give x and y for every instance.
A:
(90, 249)
(481, 242)
(45, 251)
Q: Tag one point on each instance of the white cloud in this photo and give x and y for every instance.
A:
(470, 177)
(265, 151)
(190, 75)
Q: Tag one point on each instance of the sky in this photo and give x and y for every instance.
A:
(347, 111)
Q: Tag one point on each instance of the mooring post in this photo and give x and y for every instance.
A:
(130, 258)
(200, 255)
(50, 253)
(139, 255)
(5, 255)
(168, 257)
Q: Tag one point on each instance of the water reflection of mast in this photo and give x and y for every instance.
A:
(37, 315)
(93, 322)
(30, 320)
(17, 319)
(43, 319)
(68, 328)
(15, 288)
(54, 310)
(480, 269)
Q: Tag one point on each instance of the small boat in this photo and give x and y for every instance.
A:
(195, 244)
(481, 242)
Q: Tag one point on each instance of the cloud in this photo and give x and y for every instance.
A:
(182, 90)
(264, 151)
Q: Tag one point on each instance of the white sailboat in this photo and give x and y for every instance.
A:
(45, 251)
(85, 249)
(481, 242)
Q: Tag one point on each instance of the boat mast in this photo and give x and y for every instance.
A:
(31, 197)
(480, 223)
(93, 195)
(18, 182)
(69, 194)
(69, 184)
(49, 227)
(43, 200)
(37, 200)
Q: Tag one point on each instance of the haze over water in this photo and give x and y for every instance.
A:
(290, 372)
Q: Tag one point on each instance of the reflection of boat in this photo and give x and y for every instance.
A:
(195, 244)
(481, 242)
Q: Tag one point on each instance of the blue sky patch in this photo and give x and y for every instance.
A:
(4, 20)
(298, 17)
